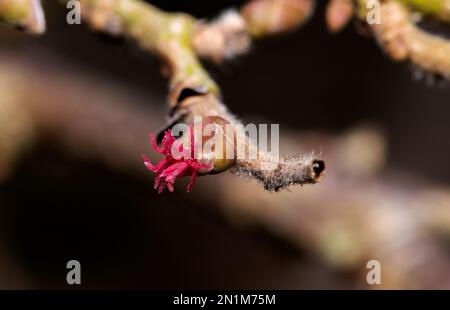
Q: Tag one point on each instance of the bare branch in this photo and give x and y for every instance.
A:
(438, 8)
(192, 92)
(404, 41)
(339, 13)
(25, 15)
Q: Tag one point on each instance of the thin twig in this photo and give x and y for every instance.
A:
(192, 91)
(404, 41)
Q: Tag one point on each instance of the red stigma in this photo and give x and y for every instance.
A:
(169, 168)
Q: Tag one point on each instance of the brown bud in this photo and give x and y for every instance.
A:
(223, 38)
(276, 16)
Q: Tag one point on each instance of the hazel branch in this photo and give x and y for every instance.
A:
(174, 36)
(402, 40)
(438, 8)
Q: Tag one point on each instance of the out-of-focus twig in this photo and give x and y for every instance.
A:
(23, 14)
(43, 103)
(192, 91)
(438, 8)
(268, 17)
(362, 216)
(404, 41)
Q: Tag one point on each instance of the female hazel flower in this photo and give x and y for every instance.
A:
(171, 167)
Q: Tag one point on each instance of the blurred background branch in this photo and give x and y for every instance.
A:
(24, 15)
